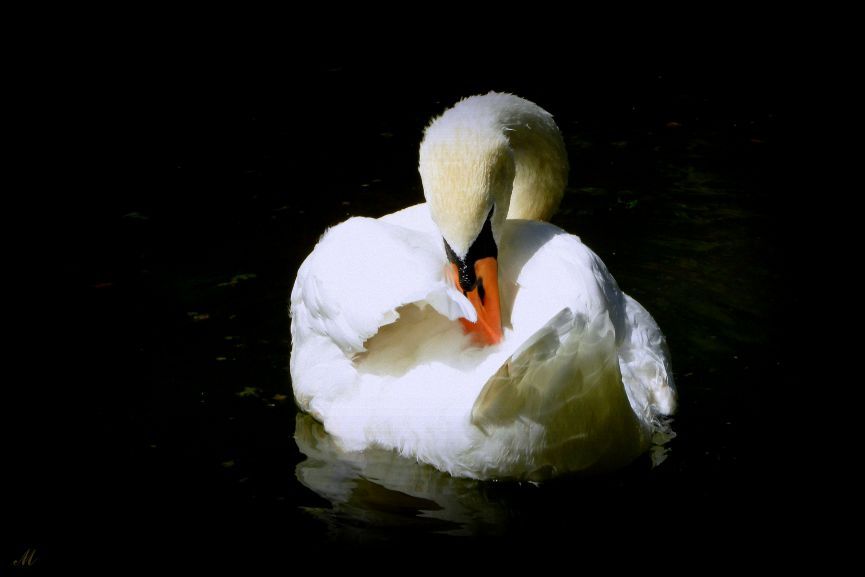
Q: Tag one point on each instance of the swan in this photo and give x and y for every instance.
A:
(470, 334)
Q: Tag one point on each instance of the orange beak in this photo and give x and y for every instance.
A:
(485, 298)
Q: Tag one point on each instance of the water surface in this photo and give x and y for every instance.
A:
(182, 284)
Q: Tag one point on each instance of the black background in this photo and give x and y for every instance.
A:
(206, 136)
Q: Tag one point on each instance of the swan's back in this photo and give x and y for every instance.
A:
(578, 383)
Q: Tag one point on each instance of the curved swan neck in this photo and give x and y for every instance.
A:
(495, 151)
(540, 158)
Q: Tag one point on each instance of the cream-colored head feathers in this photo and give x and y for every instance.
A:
(495, 151)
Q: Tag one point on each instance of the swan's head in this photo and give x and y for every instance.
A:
(467, 172)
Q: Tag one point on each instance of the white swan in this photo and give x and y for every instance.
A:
(550, 369)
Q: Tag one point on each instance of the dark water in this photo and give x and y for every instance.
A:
(184, 436)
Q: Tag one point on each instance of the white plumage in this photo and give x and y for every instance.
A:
(580, 380)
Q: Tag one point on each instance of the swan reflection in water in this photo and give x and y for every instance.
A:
(378, 489)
